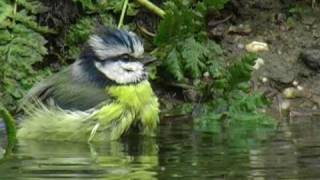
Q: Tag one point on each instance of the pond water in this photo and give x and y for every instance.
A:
(292, 152)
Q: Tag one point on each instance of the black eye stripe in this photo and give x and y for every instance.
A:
(99, 60)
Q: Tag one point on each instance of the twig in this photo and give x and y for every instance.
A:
(123, 12)
(145, 31)
(10, 128)
(215, 23)
(153, 8)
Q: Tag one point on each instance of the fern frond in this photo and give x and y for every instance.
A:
(32, 6)
(29, 21)
(5, 11)
(21, 45)
(193, 54)
(172, 64)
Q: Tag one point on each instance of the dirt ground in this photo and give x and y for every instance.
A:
(290, 30)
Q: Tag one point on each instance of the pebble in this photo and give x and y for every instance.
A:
(240, 29)
(206, 74)
(240, 46)
(258, 63)
(264, 79)
(300, 88)
(285, 105)
(292, 92)
(311, 58)
(256, 46)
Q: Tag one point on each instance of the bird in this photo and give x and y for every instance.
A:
(103, 93)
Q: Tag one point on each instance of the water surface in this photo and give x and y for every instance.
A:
(179, 151)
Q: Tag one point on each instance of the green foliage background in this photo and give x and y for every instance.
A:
(186, 55)
(21, 45)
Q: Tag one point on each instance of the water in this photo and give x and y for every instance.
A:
(179, 152)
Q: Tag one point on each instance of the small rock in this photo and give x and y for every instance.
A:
(311, 58)
(300, 88)
(284, 28)
(280, 18)
(256, 46)
(240, 29)
(264, 79)
(258, 63)
(217, 32)
(285, 105)
(240, 46)
(292, 92)
(206, 74)
(316, 33)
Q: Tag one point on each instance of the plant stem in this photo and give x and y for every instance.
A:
(14, 11)
(153, 8)
(123, 12)
(10, 128)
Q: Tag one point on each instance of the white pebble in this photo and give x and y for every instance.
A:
(256, 46)
(285, 105)
(206, 74)
(264, 79)
(258, 63)
(300, 88)
(240, 46)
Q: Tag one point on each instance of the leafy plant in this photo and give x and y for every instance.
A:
(185, 49)
(235, 106)
(21, 45)
(114, 6)
(189, 56)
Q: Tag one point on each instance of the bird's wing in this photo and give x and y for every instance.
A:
(62, 90)
(41, 92)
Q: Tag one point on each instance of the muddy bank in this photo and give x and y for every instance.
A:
(289, 29)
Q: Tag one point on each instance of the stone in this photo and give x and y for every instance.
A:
(241, 29)
(256, 46)
(311, 58)
(218, 32)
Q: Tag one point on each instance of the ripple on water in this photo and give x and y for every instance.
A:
(293, 152)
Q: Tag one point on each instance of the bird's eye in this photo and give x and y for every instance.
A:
(125, 57)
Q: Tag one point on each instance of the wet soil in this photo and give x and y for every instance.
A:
(289, 29)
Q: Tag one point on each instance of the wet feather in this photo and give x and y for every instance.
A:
(132, 104)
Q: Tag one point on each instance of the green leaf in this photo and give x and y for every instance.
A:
(172, 64)
(179, 23)
(5, 11)
(29, 21)
(241, 71)
(21, 45)
(193, 53)
(32, 6)
(215, 4)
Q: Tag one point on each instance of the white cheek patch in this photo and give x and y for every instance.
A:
(122, 72)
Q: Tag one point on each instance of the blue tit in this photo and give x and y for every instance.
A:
(100, 96)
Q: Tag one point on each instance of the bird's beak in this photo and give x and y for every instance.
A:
(147, 59)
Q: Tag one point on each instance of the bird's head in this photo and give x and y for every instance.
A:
(118, 55)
